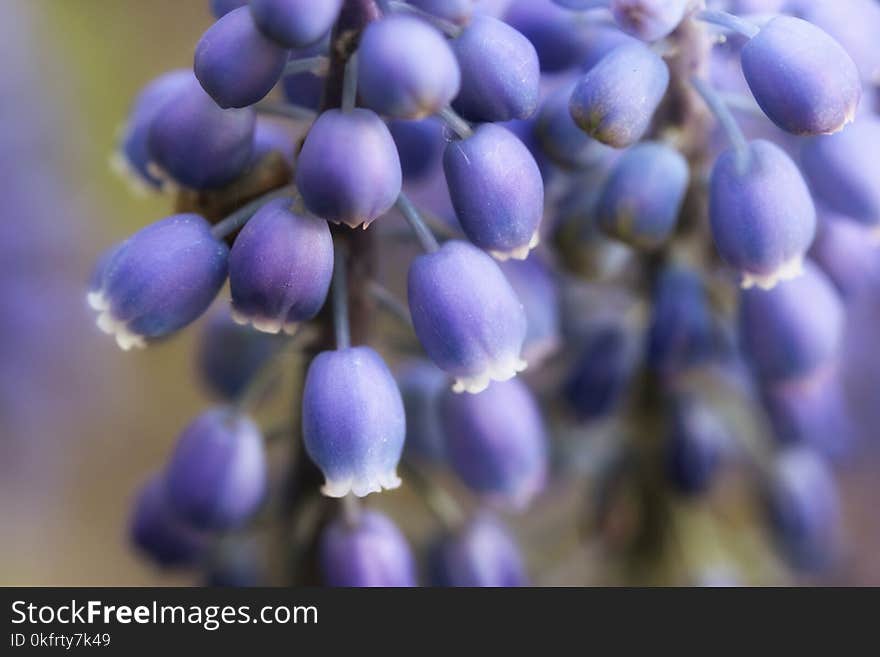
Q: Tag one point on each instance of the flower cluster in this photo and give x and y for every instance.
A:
(556, 165)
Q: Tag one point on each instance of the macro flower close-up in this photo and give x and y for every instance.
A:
(440, 293)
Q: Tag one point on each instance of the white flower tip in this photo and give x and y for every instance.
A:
(264, 324)
(122, 168)
(125, 338)
(786, 272)
(520, 252)
(361, 486)
(503, 371)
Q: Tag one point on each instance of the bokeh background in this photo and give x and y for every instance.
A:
(82, 424)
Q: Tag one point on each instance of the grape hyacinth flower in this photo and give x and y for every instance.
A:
(763, 218)
(295, 23)
(133, 158)
(349, 170)
(560, 137)
(421, 385)
(842, 170)
(500, 74)
(804, 508)
(496, 442)
(535, 285)
(230, 355)
(406, 69)
(466, 315)
(235, 63)
(353, 421)
(369, 551)
(804, 80)
(599, 378)
(217, 476)
(849, 253)
(557, 39)
(642, 197)
(649, 20)
(601, 39)
(793, 330)
(497, 191)
(270, 137)
(482, 553)
(158, 532)
(615, 101)
(196, 144)
(695, 446)
(280, 268)
(682, 331)
(159, 280)
(419, 145)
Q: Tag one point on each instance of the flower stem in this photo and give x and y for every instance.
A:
(319, 64)
(728, 22)
(726, 119)
(420, 228)
(350, 84)
(240, 217)
(341, 329)
(457, 124)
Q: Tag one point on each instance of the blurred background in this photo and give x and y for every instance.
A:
(82, 424)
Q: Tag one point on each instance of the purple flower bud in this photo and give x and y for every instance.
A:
(695, 446)
(466, 315)
(561, 138)
(235, 63)
(682, 332)
(419, 144)
(602, 373)
(500, 75)
(482, 553)
(805, 508)
(805, 82)
(156, 531)
(222, 7)
(793, 330)
(535, 285)
(134, 156)
(159, 280)
(370, 553)
(406, 69)
(615, 101)
(848, 252)
(496, 442)
(216, 478)
(454, 11)
(649, 20)
(230, 355)
(842, 170)
(353, 421)
(349, 171)
(497, 191)
(196, 143)
(558, 40)
(295, 23)
(422, 385)
(762, 215)
(271, 137)
(812, 412)
(642, 197)
(280, 268)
